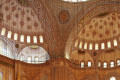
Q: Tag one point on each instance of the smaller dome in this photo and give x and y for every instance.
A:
(33, 54)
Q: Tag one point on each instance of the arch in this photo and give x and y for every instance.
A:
(24, 78)
(81, 57)
(112, 75)
(44, 76)
(62, 73)
(33, 51)
(109, 56)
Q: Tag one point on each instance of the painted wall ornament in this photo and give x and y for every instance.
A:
(64, 16)
(24, 2)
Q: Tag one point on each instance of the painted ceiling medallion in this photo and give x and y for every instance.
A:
(64, 16)
(24, 2)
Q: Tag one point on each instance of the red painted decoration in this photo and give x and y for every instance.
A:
(105, 23)
(107, 32)
(22, 23)
(8, 17)
(94, 33)
(6, 8)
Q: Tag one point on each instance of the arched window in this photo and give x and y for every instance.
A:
(115, 42)
(82, 64)
(109, 44)
(15, 36)
(80, 45)
(36, 59)
(42, 59)
(112, 78)
(22, 38)
(99, 64)
(35, 39)
(90, 46)
(22, 58)
(76, 43)
(112, 64)
(41, 39)
(118, 62)
(105, 64)
(9, 34)
(28, 39)
(102, 46)
(3, 31)
(89, 64)
(96, 46)
(85, 46)
(29, 59)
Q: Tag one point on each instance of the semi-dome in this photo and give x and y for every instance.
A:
(33, 54)
(100, 33)
(19, 21)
